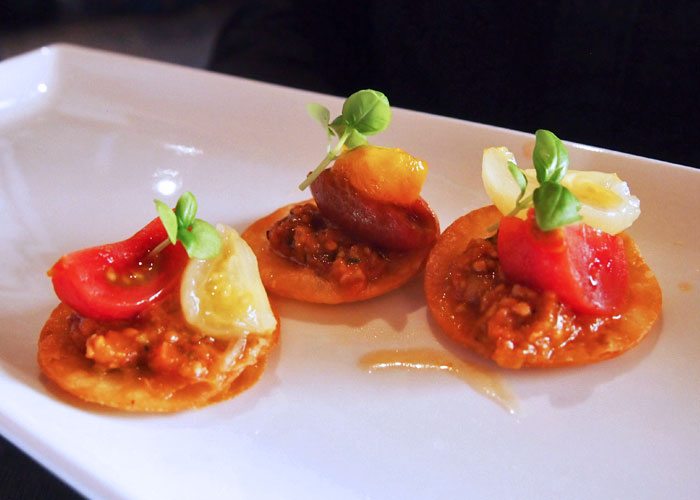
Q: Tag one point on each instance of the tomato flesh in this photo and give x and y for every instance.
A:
(584, 266)
(119, 280)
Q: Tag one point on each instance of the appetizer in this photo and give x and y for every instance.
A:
(174, 317)
(366, 231)
(545, 276)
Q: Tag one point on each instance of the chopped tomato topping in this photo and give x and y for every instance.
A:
(113, 349)
(584, 266)
(119, 280)
(309, 239)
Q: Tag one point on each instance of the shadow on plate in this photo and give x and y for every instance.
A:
(393, 308)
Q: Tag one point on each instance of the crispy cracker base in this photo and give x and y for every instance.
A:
(288, 279)
(139, 390)
(643, 302)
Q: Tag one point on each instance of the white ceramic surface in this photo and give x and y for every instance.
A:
(87, 139)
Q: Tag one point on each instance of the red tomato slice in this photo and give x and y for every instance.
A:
(584, 266)
(119, 280)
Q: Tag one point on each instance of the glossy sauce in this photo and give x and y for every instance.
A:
(484, 381)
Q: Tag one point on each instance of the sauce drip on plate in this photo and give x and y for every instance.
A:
(482, 380)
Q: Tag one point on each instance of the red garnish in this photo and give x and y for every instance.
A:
(584, 266)
(119, 280)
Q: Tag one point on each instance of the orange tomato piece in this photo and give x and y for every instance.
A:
(385, 225)
(389, 175)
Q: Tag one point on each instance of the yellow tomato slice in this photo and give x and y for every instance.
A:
(606, 201)
(224, 297)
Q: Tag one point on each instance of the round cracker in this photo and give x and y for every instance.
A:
(288, 279)
(617, 335)
(139, 390)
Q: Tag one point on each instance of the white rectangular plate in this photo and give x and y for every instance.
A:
(88, 139)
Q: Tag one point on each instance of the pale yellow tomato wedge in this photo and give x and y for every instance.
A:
(224, 297)
(499, 184)
(606, 201)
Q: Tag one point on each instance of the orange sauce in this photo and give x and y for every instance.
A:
(685, 286)
(483, 381)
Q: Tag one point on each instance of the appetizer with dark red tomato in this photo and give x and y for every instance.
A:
(174, 317)
(545, 276)
(365, 232)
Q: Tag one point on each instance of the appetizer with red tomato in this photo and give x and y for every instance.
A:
(366, 231)
(545, 276)
(174, 317)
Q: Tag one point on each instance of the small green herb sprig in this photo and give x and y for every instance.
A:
(200, 239)
(555, 206)
(366, 112)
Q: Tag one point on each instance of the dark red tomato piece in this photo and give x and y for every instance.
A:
(386, 225)
(584, 266)
(119, 280)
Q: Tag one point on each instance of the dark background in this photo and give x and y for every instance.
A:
(619, 75)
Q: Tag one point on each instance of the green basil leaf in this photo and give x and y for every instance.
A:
(337, 126)
(204, 243)
(319, 113)
(555, 206)
(367, 111)
(168, 218)
(550, 157)
(519, 177)
(355, 139)
(186, 209)
(186, 238)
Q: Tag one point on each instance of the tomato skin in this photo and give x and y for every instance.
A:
(584, 266)
(95, 281)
